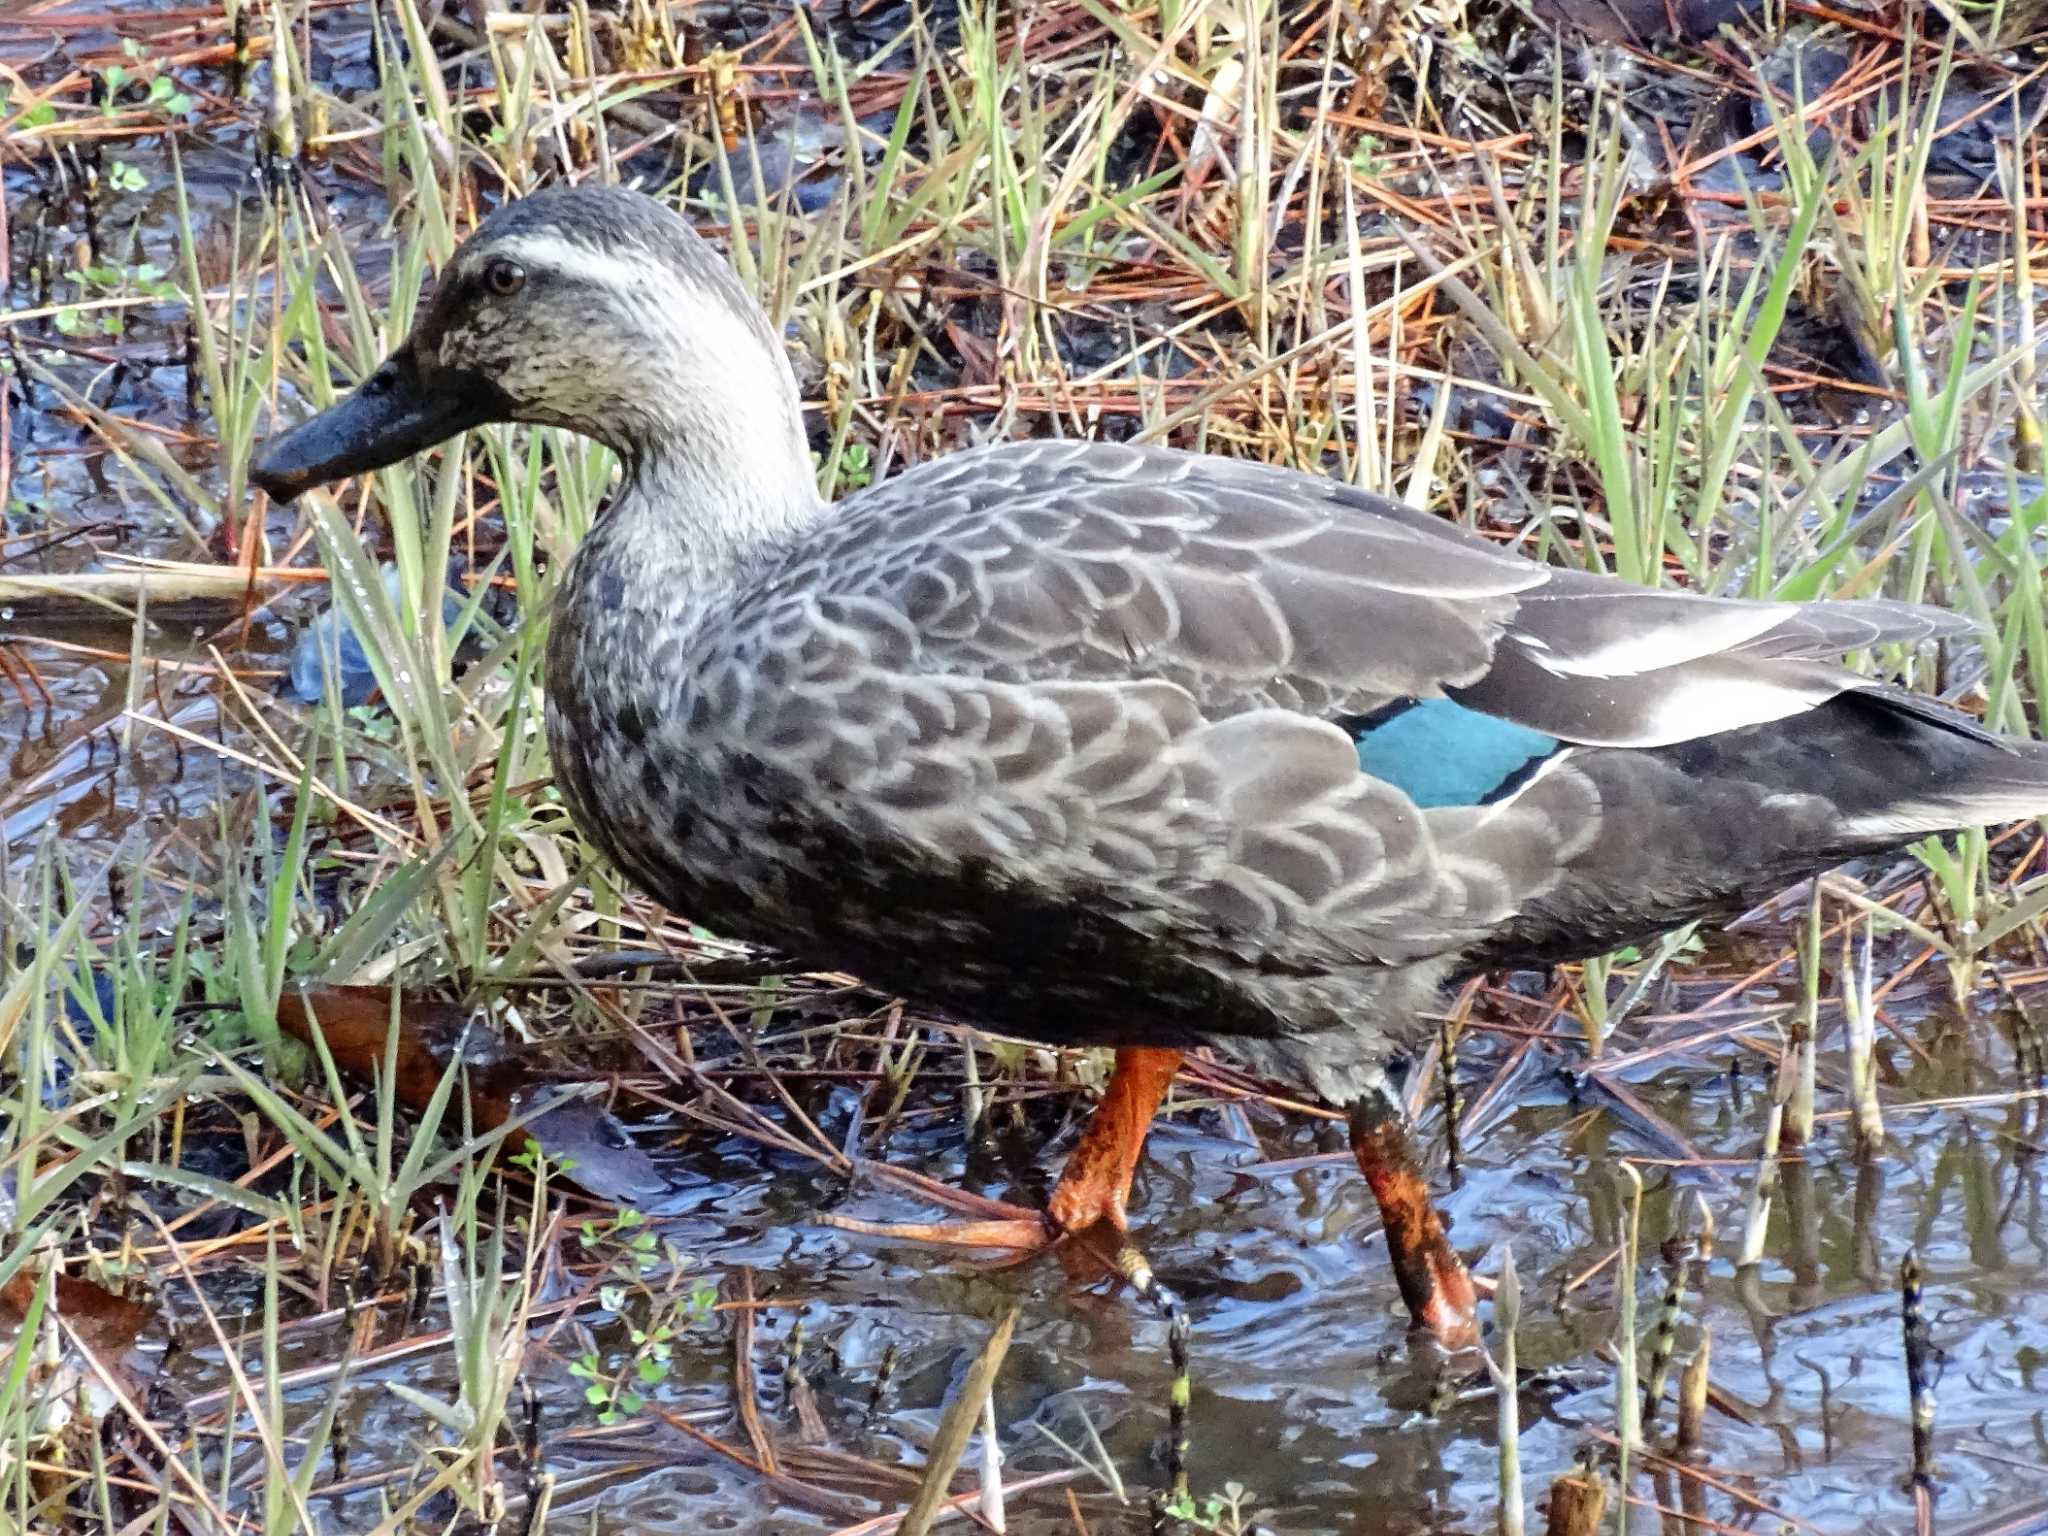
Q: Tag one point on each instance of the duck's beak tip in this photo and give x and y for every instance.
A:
(392, 415)
(276, 472)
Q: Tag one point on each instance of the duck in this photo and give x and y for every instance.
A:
(1101, 744)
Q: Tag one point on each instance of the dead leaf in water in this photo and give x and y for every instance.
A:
(356, 1023)
(105, 1323)
(96, 1321)
(596, 1152)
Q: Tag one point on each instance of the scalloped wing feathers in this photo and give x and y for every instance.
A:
(1254, 587)
(1111, 668)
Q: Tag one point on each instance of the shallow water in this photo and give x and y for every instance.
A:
(1307, 1390)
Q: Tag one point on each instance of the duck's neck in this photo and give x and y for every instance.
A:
(711, 517)
(717, 470)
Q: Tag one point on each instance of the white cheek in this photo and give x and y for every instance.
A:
(720, 355)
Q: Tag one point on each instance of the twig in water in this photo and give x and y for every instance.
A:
(955, 1427)
(1799, 1109)
(1859, 1010)
(1665, 1343)
(1507, 1313)
(991, 1468)
(1692, 1396)
(1628, 1397)
(540, 1483)
(1646, 975)
(883, 1374)
(1097, 1459)
(1577, 1501)
(1692, 1384)
(1918, 1382)
(1454, 1106)
(1177, 1399)
(1760, 1197)
(796, 1389)
(745, 1395)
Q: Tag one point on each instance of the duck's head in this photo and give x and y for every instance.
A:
(592, 308)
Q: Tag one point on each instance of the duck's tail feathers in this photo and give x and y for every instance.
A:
(1983, 804)
(1971, 777)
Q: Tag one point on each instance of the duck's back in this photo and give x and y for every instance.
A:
(1062, 734)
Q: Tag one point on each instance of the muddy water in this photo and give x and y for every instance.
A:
(1306, 1390)
(74, 766)
(1308, 1394)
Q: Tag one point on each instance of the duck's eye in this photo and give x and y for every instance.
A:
(504, 276)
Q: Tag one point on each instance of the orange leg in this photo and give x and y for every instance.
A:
(1095, 1185)
(1432, 1277)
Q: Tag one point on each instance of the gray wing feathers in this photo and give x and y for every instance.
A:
(1044, 560)
(1253, 587)
(1111, 668)
(1256, 831)
(1315, 861)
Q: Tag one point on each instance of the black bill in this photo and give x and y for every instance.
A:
(393, 414)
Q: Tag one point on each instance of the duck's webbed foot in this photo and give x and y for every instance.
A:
(1433, 1280)
(1093, 1190)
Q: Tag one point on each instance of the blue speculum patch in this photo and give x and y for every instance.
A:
(1441, 753)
